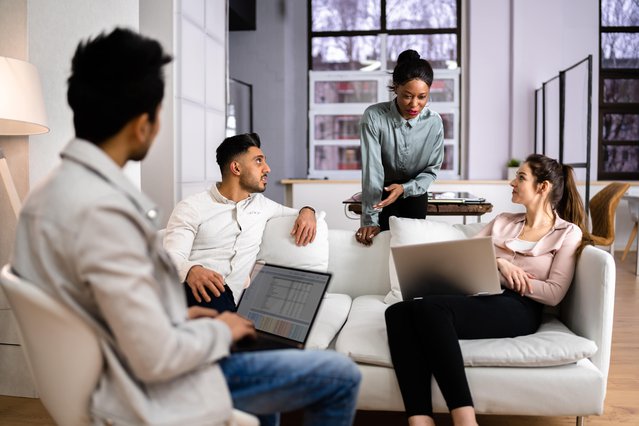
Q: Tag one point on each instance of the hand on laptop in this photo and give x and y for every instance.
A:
(241, 328)
(517, 279)
(201, 279)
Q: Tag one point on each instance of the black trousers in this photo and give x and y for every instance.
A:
(423, 337)
(225, 302)
(410, 207)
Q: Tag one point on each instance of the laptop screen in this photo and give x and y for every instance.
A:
(283, 301)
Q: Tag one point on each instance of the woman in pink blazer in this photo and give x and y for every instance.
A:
(536, 253)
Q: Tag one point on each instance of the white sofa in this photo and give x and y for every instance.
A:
(551, 373)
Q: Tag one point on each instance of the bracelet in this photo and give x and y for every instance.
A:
(307, 207)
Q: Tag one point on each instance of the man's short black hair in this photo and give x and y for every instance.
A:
(114, 78)
(233, 146)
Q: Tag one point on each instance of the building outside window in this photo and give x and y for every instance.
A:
(619, 90)
(353, 46)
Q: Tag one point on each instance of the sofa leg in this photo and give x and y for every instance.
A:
(581, 421)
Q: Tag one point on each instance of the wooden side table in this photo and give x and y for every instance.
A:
(436, 209)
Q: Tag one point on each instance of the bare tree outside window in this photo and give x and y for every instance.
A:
(413, 14)
(345, 53)
(345, 15)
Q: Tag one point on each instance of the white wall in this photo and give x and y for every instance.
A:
(55, 29)
(569, 33)
(488, 70)
(159, 169)
(200, 92)
(514, 47)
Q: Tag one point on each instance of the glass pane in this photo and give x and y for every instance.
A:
(346, 53)
(333, 127)
(334, 157)
(345, 92)
(345, 15)
(449, 157)
(417, 14)
(449, 125)
(619, 13)
(439, 49)
(621, 127)
(621, 158)
(620, 90)
(620, 50)
(442, 90)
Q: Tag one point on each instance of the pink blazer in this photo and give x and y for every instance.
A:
(552, 260)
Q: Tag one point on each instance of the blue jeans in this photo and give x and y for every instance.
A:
(322, 383)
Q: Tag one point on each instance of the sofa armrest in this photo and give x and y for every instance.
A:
(588, 307)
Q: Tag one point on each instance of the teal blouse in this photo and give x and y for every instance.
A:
(396, 150)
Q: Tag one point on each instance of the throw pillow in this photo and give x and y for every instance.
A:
(278, 246)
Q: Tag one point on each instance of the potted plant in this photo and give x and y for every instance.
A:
(513, 165)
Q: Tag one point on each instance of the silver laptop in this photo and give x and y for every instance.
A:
(282, 302)
(465, 267)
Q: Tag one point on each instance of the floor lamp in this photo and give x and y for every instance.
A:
(21, 112)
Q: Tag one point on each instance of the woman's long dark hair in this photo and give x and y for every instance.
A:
(564, 198)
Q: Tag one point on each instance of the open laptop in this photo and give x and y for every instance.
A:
(465, 267)
(282, 302)
(454, 197)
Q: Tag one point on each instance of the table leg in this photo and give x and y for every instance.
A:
(633, 234)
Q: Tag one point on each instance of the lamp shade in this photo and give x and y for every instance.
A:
(21, 105)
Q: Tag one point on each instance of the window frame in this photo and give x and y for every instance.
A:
(613, 107)
(445, 107)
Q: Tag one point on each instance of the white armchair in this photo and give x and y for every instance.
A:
(63, 352)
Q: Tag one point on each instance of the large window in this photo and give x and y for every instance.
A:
(619, 90)
(353, 44)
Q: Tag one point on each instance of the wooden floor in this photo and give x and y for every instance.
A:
(622, 400)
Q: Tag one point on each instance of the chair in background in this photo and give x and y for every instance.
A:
(602, 213)
(63, 352)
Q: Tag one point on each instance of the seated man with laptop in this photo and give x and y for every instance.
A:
(214, 236)
(89, 238)
(530, 255)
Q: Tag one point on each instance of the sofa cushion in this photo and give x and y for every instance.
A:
(331, 317)
(469, 229)
(363, 338)
(278, 247)
(414, 231)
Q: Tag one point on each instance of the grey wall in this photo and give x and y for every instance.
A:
(273, 60)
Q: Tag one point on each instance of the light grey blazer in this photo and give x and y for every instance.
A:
(88, 237)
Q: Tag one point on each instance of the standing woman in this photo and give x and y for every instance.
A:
(536, 252)
(402, 149)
